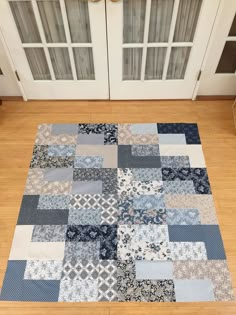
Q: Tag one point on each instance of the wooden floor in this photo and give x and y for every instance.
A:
(18, 124)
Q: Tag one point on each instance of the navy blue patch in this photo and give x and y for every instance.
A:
(30, 215)
(197, 175)
(105, 234)
(127, 160)
(190, 131)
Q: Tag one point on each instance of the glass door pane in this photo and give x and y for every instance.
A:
(160, 19)
(79, 23)
(155, 63)
(51, 17)
(132, 61)
(61, 63)
(134, 18)
(187, 18)
(25, 21)
(84, 63)
(178, 63)
(38, 63)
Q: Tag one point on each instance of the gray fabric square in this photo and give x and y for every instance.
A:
(127, 160)
(69, 129)
(84, 217)
(87, 187)
(194, 290)
(54, 202)
(58, 174)
(153, 270)
(82, 250)
(92, 138)
(49, 233)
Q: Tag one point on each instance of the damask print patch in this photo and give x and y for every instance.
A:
(117, 212)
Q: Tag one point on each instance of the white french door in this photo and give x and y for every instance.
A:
(58, 47)
(219, 71)
(156, 47)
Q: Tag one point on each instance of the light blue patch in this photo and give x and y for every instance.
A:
(194, 290)
(54, 202)
(88, 162)
(87, 187)
(175, 161)
(84, 217)
(147, 174)
(58, 174)
(61, 150)
(143, 129)
(182, 217)
(153, 270)
(149, 202)
(180, 187)
(172, 138)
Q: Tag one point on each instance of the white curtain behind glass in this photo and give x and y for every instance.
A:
(50, 13)
(134, 18)
(25, 21)
(61, 63)
(78, 18)
(155, 63)
(84, 63)
(160, 19)
(38, 63)
(178, 63)
(187, 18)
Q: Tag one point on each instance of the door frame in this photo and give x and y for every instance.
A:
(213, 54)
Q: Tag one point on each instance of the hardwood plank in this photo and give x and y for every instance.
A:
(18, 126)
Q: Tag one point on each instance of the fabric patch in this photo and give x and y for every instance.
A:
(61, 150)
(175, 161)
(43, 270)
(153, 270)
(87, 187)
(145, 150)
(84, 217)
(182, 217)
(88, 162)
(78, 291)
(53, 202)
(49, 233)
(194, 290)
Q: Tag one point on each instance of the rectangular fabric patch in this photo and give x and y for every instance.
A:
(117, 212)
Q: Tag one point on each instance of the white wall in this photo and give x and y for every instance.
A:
(8, 82)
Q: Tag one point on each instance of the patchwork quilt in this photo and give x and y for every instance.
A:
(117, 212)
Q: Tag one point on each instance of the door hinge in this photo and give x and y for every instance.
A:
(17, 76)
(199, 75)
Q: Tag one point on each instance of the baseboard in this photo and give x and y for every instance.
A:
(11, 98)
(215, 97)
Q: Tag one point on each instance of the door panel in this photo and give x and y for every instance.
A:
(219, 70)
(156, 47)
(58, 47)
